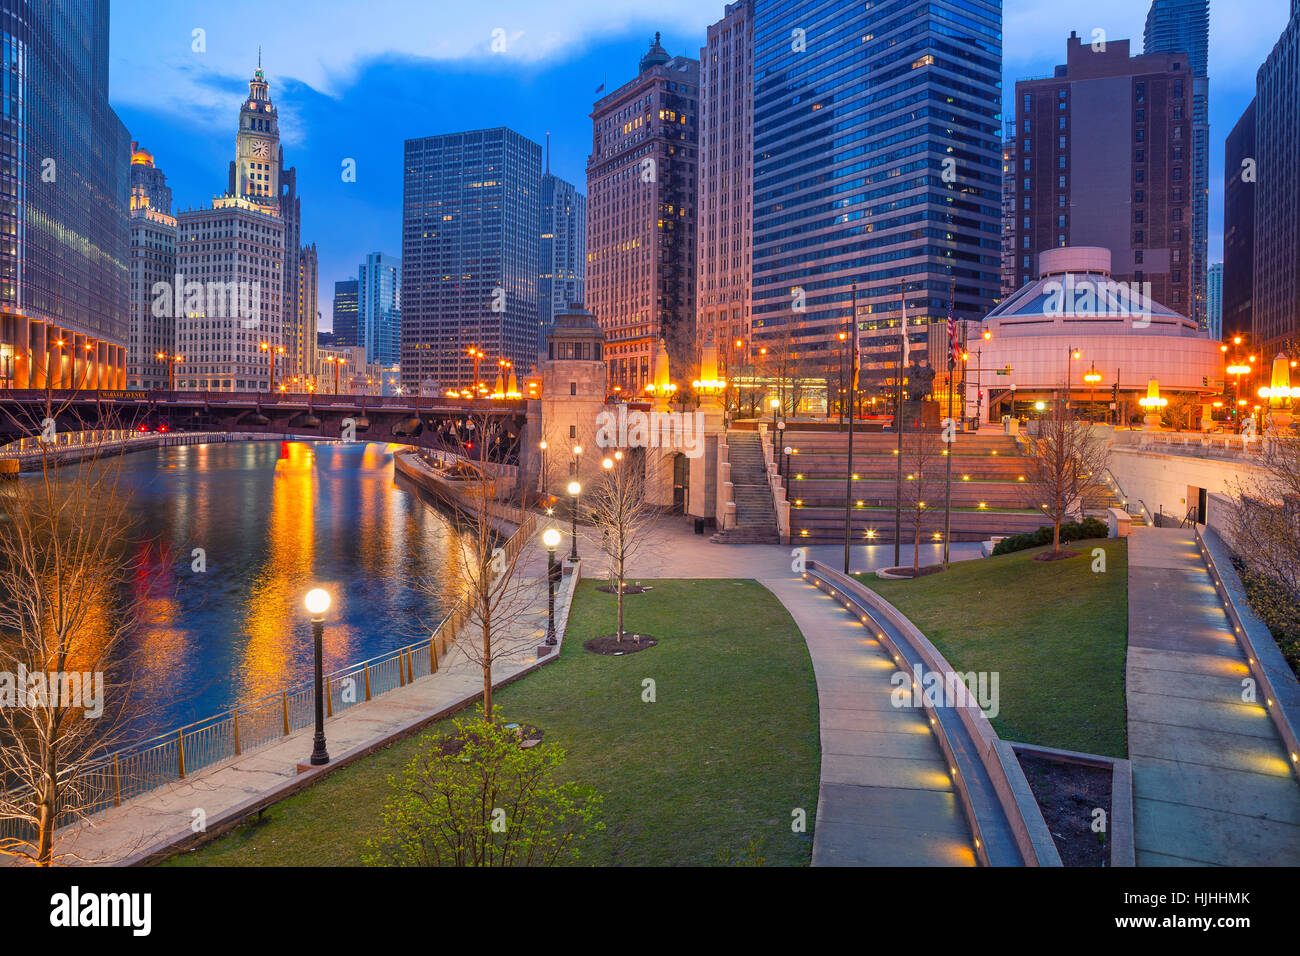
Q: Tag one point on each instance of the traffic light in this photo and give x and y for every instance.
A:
(1205, 381)
(1114, 392)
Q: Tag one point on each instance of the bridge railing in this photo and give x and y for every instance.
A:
(179, 753)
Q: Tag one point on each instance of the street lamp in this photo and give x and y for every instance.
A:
(776, 404)
(318, 602)
(541, 472)
(1092, 377)
(575, 489)
(551, 538)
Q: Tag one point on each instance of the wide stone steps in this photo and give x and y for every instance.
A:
(755, 520)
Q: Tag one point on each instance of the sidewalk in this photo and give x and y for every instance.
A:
(223, 794)
(1211, 782)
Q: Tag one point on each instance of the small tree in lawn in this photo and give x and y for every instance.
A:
(482, 574)
(922, 456)
(480, 799)
(1067, 462)
(620, 512)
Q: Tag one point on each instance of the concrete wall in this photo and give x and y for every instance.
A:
(1164, 480)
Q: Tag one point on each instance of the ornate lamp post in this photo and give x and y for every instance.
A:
(1152, 403)
(1092, 377)
(1280, 395)
(575, 489)
(318, 602)
(551, 538)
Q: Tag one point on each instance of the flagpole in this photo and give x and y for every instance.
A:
(853, 385)
(898, 427)
(948, 426)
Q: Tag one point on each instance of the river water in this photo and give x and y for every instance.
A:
(225, 624)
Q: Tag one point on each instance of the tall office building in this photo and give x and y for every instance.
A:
(471, 217)
(1092, 174)
(1183, 26)
(1214, 300)
(346, 293)
(1275, 320)
(563, 278)
(379, 308)
(1008, 284)
(153, 273)
(877, 158)
(726, 196)
(236, 256)
(1240, 173)
(65, 161)
(641, 218)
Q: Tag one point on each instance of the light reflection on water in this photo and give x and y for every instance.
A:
(274, 519)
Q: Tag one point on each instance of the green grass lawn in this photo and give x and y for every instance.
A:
(728, 750)
(1055, 632)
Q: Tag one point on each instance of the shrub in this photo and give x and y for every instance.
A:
(1278, 607)
(1070, 531)
(477, 798)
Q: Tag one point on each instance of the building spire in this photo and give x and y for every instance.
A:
(548, 154)
(259, 56)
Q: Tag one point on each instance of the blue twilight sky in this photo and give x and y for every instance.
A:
(353, 80)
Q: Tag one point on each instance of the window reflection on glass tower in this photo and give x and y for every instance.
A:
(65, 179)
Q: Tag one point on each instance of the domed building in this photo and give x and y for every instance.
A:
(1076, 325)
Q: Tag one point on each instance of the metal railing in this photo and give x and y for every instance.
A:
(178, 753)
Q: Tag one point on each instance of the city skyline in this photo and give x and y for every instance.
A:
(329, 114)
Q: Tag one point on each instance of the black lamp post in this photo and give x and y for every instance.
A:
(551, 538)
(575, 490)
(318, 602)
(786, 474)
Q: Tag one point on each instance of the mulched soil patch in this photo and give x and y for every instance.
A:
(527, 734)
(1056, 555)
(1067, 793)
(610, 645)
(627, 588)
(920, 572)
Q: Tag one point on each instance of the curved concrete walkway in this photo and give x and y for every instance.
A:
(1211, 782)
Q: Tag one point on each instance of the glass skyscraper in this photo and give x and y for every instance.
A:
(563, 250)
(877, 158)
(1183, 26)
(345, 313)
(471, 217)
(65, 167)
(379, 312)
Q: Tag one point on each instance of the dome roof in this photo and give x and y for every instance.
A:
(142, 157)
(655, 56)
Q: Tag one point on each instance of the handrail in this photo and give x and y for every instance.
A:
(179, 752)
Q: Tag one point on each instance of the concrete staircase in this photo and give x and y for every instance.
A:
(1098, 504)
(755, 514)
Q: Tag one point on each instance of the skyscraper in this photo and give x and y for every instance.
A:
(345, 313)
(877, 159)
(64, 200)
(1214, 300)
(1240, 172)
(1009, 211)
(153, 271)
(1093, 174)
(1275, 319)
(563, 250)
(379, 309)
(726, 202)
(641, 219)
(1183, 26)
(471, 218)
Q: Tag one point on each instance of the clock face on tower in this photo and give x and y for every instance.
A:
(260, 148)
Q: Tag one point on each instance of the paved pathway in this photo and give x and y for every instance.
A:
(166, 814)
(1212, 785)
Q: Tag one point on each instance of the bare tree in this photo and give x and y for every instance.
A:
(1265, 518)
(65, 614)
(922, 466)
(620, 512)
(1067, 462)
(483, 575)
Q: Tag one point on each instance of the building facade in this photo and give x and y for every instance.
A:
(641, 217)
(563, 278)
(153, 274)
(346, 292)
(379, 308)
(1091, 174)
(1274, 317)
(471, 217)
(725, 230)
(1008, 284)
(1214, 301)
(877, 160)
(1183, 26)
(65, 174)
(1240, 173)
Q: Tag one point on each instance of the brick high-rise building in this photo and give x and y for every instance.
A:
(641, 218)
(726, 194)
(153, 266)
(1104, 158)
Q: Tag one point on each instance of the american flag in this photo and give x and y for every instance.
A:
(954, 342)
